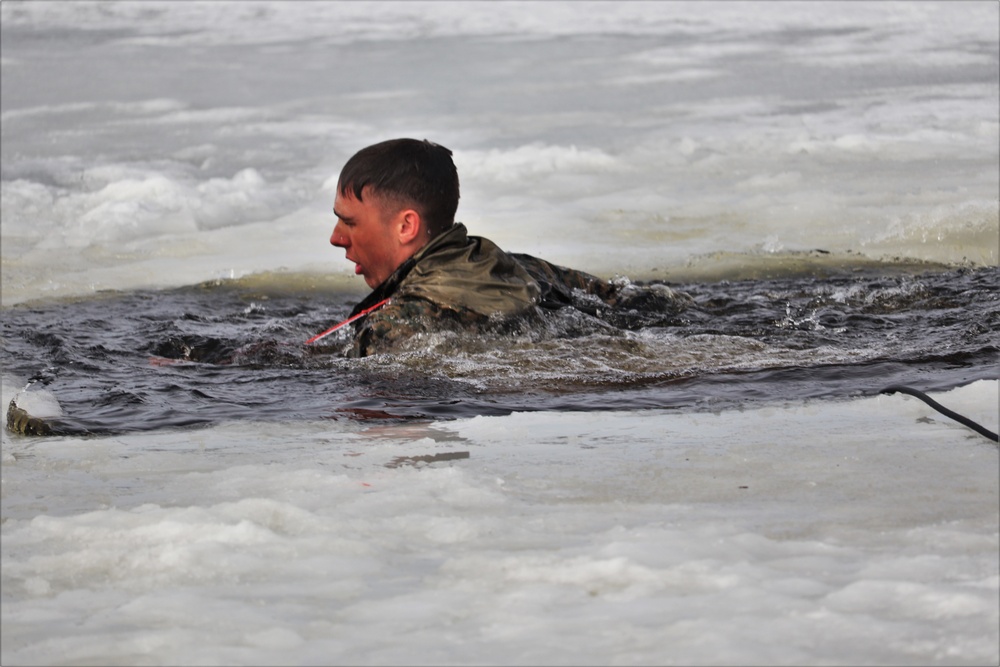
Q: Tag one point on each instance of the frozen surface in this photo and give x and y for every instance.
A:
(833, 533)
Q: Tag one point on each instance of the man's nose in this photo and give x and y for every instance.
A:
(337, 238)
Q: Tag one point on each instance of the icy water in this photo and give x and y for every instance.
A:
(721, 484)
(110, 360)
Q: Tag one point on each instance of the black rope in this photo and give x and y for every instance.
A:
(981, 430)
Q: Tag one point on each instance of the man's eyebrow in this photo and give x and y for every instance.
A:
(339, 215)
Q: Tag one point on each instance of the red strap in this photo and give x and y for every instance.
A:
(364, 312)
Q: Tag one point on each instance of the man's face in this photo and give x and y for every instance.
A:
(368, 237)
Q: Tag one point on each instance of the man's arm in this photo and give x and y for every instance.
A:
(390, 328)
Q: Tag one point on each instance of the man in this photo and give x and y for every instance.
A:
(395, 208)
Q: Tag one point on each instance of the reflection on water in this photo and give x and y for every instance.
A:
(112, 361)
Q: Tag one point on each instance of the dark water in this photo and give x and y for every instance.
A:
(111, 360)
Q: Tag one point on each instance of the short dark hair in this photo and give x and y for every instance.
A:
(407, 172)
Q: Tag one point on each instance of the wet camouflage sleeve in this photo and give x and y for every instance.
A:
(19, 421)
(388, 329)
(569, 287)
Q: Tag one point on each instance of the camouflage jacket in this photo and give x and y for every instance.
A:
(459, 281)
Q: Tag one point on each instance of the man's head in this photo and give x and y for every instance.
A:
(392, 199)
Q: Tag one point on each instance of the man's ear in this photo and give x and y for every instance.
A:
(411, 226)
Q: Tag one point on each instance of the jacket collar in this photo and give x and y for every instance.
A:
(456, 235)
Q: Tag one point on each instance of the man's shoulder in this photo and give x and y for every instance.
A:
(470, 274)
